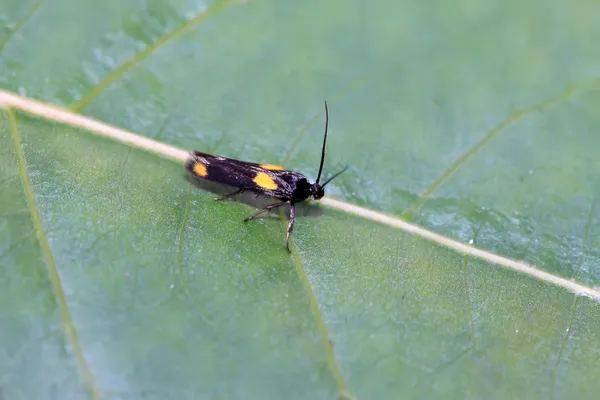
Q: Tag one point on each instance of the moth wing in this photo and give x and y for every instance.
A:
(271, 180)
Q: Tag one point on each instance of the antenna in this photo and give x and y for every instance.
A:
(324, 140)
(330, 179)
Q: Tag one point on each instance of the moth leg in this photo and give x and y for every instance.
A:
(228, 195)
(290, 227)
(267, 208)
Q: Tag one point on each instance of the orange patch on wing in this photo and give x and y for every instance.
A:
(200, 170)
(265, 181)
(272, 167)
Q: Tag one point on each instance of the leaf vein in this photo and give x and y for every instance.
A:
(53, 113)
(343, 392)
(559, 359)
(67, 320)
(26, 17)
(492, 134)
(182, 276)
(148, 50)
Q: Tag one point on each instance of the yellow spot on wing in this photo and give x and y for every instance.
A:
(272, 167)
(265, 181)
(200, 169)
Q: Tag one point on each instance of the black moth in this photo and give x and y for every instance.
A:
(288, 187)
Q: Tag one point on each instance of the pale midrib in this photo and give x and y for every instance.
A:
(34, 107)
(586, 235)
(53, 113)
(51, 266)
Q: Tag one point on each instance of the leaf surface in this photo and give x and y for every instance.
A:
(478, 121)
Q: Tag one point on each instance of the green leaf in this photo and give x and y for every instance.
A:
(475, 120)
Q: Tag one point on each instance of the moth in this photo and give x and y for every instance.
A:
(273, 181)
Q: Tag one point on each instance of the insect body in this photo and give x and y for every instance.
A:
(288, 187)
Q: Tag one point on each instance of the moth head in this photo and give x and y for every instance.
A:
(317, 191)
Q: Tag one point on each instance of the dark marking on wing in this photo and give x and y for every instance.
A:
(279, 183)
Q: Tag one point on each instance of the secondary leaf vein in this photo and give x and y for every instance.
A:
(493, 133)
(26, 17)
(343, 392)
(150, 49)
(67, 320)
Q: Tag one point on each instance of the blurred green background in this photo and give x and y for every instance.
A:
(475, 119)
